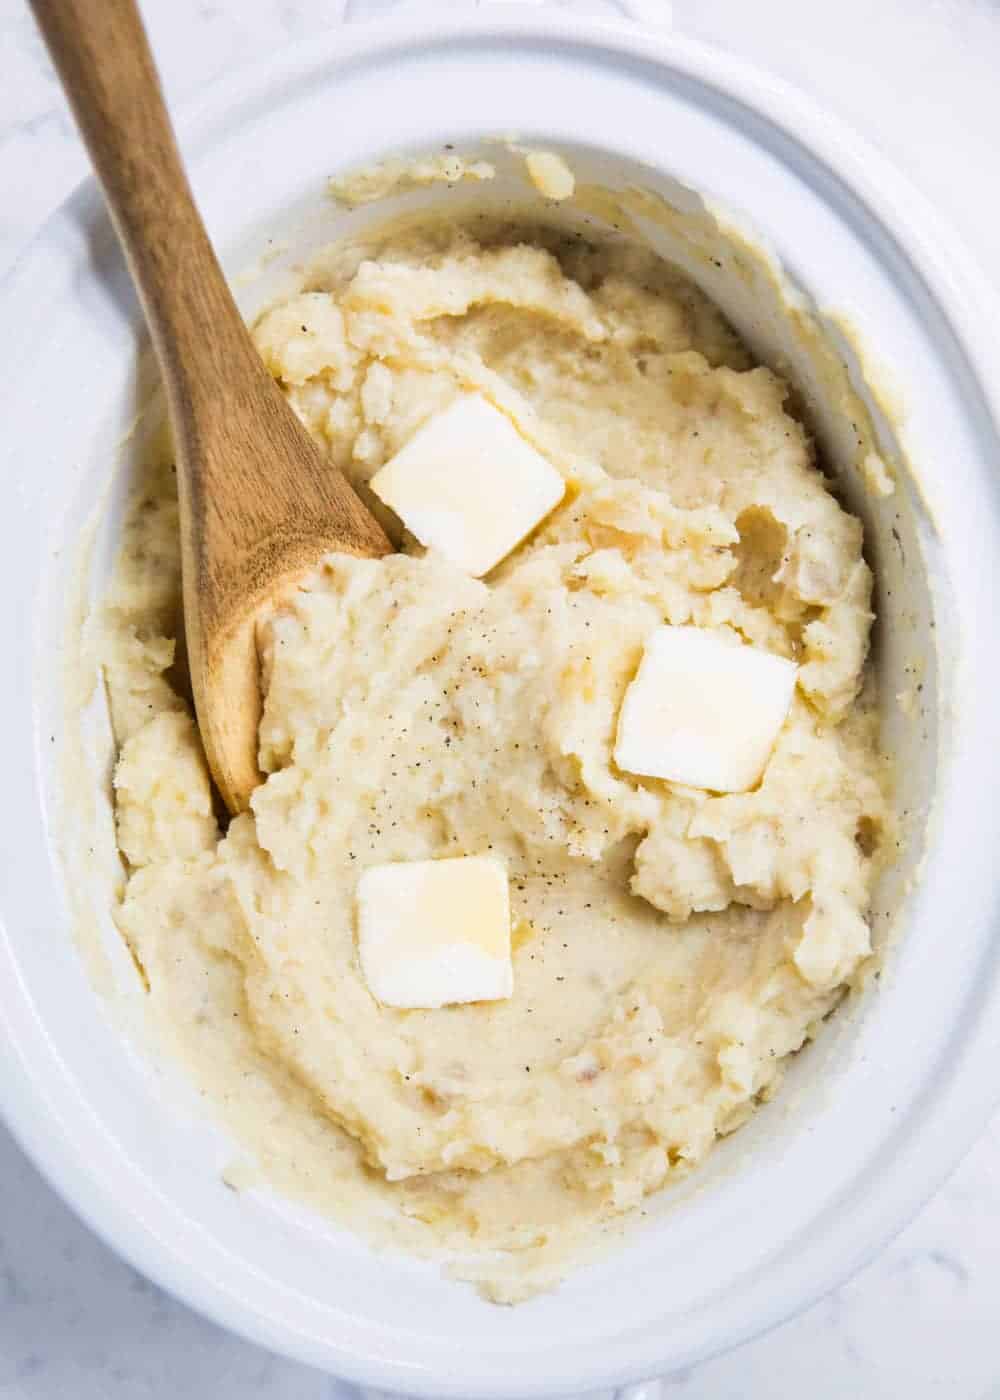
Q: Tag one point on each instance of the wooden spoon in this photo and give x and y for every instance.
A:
(259, 505)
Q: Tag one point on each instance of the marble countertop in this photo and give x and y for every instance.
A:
(919, 77)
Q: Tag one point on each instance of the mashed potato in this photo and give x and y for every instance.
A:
(672, 947)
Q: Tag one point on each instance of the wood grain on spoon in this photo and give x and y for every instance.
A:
(259, 505)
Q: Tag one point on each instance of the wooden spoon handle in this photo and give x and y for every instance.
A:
(101, 52)
(259, 505)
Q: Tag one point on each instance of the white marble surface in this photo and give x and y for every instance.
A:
(920, 77)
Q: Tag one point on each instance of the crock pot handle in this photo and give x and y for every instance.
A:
(642, 1390)
(657, 14)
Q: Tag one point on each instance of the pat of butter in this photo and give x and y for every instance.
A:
(703, 711)
(435, 932)
(468, 485)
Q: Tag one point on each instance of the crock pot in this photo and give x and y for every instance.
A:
(875, 288)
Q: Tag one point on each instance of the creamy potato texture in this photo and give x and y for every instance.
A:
(672, 947)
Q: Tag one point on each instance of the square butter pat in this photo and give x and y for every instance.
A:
(469, 485)
(703, 711)
(435, 932)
